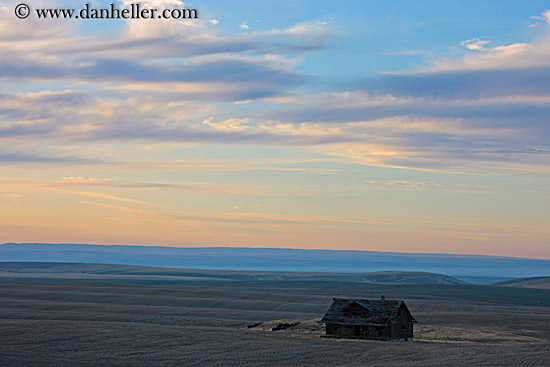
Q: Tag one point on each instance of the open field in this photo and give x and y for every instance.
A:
(69, 320)
(534, 282)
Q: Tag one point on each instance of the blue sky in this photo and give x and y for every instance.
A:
(401, 126)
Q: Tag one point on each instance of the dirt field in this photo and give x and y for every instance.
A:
(74, 322)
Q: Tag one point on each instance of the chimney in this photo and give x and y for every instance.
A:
(383, 298)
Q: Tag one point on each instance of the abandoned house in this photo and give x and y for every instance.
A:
(369, 319)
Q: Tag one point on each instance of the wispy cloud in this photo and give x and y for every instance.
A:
(227, 125)
(121, 208)
(106, 196)
(13, 197)
(404, 184)
(19, 157)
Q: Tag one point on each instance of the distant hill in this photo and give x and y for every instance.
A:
(411, 277)
(481, 280)
(533, 282)
(479, 269)
(107, 271)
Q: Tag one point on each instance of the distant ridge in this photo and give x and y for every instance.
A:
(275, 259)
(532, 282)
(411, 277)
(104, 271)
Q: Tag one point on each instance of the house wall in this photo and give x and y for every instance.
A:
(379, 332)
(346, 331)
(401, 326)
(358, 331)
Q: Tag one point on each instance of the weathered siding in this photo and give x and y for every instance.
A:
(379, 332)
(346, 331)
(358, 331)
(401, 326)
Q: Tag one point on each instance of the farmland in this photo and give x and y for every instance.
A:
(73, 318)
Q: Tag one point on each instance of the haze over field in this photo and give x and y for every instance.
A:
(415, 126)
(475, 269)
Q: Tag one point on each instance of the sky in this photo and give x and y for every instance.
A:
(402, 126)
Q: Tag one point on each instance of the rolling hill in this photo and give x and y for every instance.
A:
(106, 271)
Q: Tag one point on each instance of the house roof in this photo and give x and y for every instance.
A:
(381, 312)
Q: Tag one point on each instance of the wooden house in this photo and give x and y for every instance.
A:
(369, 319)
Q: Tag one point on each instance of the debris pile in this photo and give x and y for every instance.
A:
(284, 326)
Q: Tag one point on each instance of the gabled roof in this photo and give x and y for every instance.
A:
(380, 312)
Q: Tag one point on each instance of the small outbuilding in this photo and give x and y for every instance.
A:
(369, 319)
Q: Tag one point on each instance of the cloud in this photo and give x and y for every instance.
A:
(80, 179)
(18, 157)
(39, 106)
(545, 17)
(528, 81)
(440, 120)
(475, 44)
(160, 82)
(30, 29)
(404, 184)
(240, 67)
(243, 25)
(125, 209)
(303, 37)
(227, 125)
(169, 39)
(223, 77)
(518, 55)
(316, 171)
(105, 196)
(195, 188)
(13, 197)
